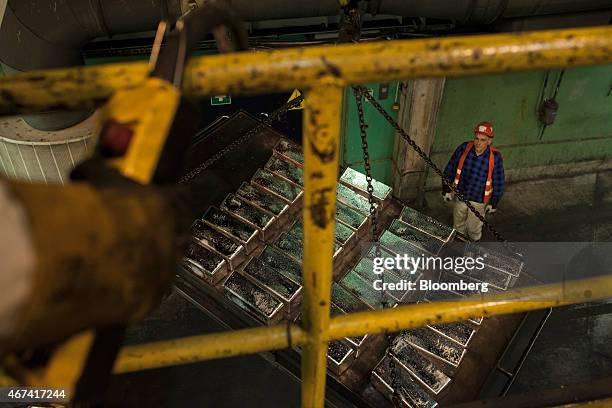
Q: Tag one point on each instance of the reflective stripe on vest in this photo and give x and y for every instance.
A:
(489, 184)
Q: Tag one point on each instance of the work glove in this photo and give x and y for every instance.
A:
(106, 251)
(489, 209)
(448, 197)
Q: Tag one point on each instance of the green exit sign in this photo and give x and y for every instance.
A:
(220, 100)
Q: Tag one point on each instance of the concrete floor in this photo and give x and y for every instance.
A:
(574, 347)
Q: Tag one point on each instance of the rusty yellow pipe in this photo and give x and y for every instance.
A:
(322, 117)
(207, 347)
(220, 345)
(514, 301)
(283, 70)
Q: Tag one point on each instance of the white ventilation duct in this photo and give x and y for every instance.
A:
(41, 156)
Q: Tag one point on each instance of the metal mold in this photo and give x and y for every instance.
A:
(254, 300)
(276, 185)
(282, 263)
(241, 209)
(458, 332)
(210, 238)
(412, 394)
(415, 237)
(426, 224)
(427, 374)
(358, 181)
(434, 345)
(350, 217)
(494, 259)
(261, 199)
(286, 170)
(285, 289)
(205, 263)
(240, 231)
(353, 200)
(364, 290)
(290, 151)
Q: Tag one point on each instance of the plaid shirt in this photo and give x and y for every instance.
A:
(474, 174)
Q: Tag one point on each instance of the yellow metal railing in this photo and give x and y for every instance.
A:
(324, 72)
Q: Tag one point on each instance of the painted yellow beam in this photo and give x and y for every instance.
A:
(322, 125)
(212, 346)
(514, 301)
(207, 347)
(284, 70)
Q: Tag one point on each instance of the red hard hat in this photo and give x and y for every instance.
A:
(485, 128)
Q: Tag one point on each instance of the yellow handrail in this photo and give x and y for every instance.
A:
(221, 345)
(284, 70)
(323, 71)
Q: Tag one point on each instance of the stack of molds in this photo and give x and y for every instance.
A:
(425, 359)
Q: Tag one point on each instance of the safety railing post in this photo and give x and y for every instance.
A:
(321, 140)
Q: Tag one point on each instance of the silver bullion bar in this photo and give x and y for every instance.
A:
(340, 356)
(282, 263)
(365, 269)
(427, 224)
(416, 237)
(282, 287)
(290, 151)
(261, 199)
(350, 217)
(434, 345)
(343, 234)
(273, 183)
(445, 296)
(241, 209)
(364, 290)
(240, 231)
(411, 393)
(254, 300)
(504, 263)
(494, 277)
(205, 263)
(353, 200)
(232, 252)
(291, 246)
(286, 170)
(358, 181)
(354, 342)
(458, 332)
(427, 374)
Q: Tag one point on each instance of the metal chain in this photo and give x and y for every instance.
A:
(370, 189)
(274, 116)
(429, 162)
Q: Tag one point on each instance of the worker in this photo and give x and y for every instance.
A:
(477, 171)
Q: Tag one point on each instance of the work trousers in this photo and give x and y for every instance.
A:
(464, 220)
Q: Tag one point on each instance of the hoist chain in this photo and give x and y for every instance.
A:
(373, 215)
(272, 117)
(431, 164)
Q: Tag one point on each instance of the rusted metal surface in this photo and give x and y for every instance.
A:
(322, 113)
(284, 70)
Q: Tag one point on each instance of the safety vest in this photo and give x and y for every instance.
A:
(489, 184)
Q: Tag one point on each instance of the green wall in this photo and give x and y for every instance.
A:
(582, 130)
(381, 136)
